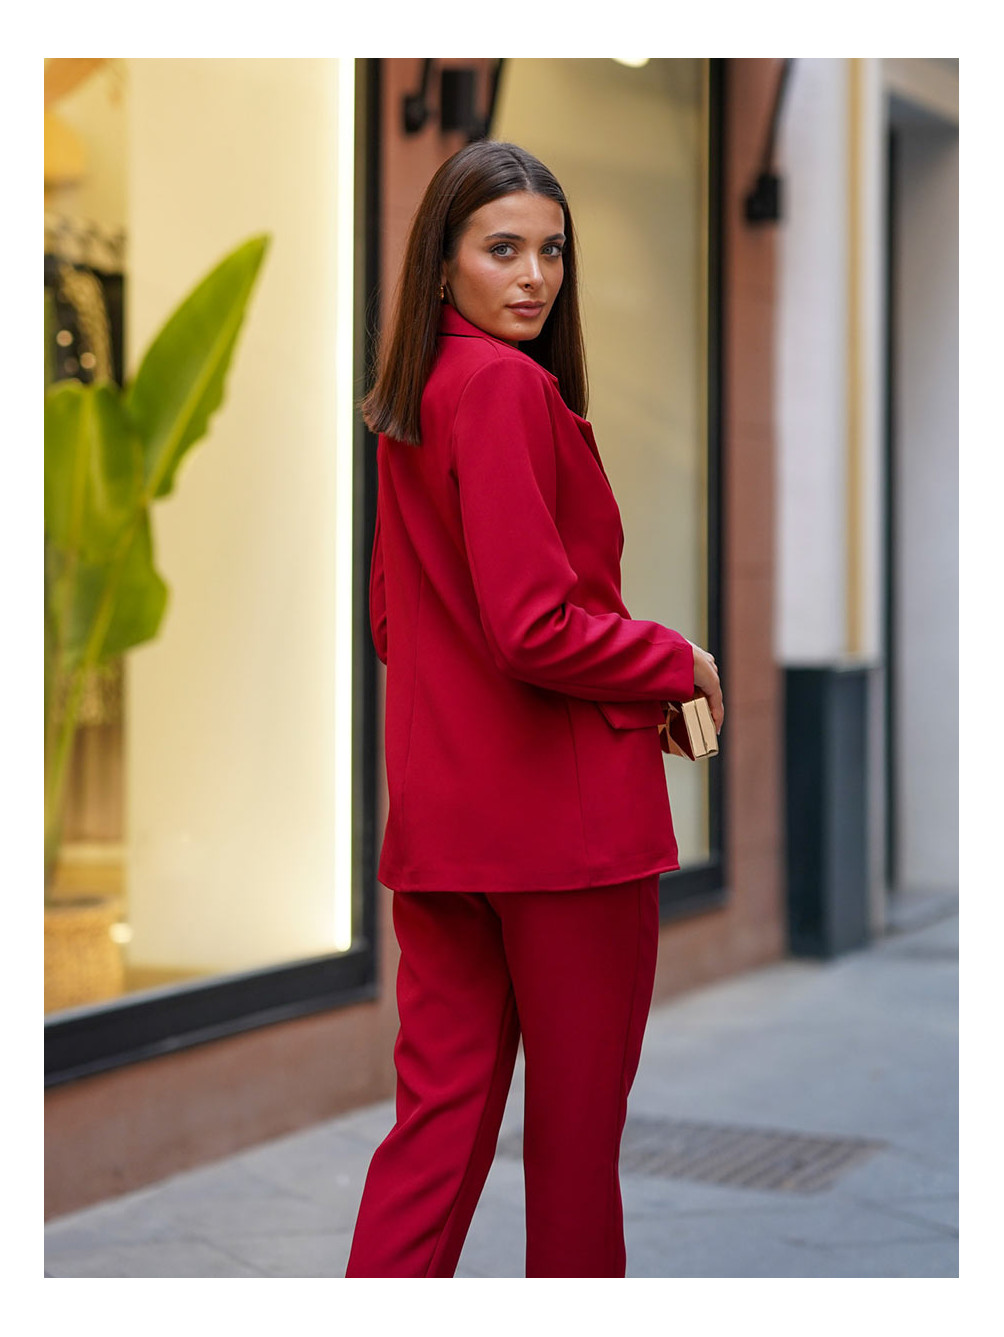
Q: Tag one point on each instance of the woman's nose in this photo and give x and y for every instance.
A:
(532, 276)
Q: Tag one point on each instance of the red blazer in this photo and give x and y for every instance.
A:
(522, 700)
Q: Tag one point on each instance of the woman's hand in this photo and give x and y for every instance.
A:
(706, 681)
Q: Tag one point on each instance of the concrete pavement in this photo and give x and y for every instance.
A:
(798, 1121)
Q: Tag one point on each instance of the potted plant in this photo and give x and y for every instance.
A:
(109, 454)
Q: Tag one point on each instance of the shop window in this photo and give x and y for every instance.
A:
(222, 796)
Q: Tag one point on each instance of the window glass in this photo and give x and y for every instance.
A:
(629, 145)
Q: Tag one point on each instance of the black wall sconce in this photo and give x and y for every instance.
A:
(457, 102)
(763, 202)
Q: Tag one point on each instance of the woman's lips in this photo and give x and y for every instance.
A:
(526, 308)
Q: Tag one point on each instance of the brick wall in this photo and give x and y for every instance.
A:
(749, 930)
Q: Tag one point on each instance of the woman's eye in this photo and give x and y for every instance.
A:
(505, 249)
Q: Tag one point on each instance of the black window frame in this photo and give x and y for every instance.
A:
(703, 886)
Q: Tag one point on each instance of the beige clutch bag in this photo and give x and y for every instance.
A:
(689, 730)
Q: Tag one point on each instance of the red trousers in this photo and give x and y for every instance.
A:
(570, 971)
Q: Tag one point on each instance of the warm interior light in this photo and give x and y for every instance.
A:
(634, 62)
(344, 493)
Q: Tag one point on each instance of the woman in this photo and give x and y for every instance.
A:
(528, 820)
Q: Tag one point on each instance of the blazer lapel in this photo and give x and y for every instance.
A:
(587, 432)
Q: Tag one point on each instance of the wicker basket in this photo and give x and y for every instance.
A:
(83, 963)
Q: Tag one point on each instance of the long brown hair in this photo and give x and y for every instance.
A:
(479, 173)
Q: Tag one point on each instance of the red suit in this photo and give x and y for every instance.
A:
(528, 817)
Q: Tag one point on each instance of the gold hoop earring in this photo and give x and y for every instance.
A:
(442, 293)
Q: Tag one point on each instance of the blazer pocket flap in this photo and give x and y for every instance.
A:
(632, 714)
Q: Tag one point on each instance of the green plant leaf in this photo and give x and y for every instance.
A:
(180, 382)
(93, 469)
(107, 456)
(135, 602)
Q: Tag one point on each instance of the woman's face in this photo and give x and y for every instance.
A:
(508, 266)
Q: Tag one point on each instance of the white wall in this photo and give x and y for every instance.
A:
(811, 366)
(231, 765)
(830, 364)
(926, 498)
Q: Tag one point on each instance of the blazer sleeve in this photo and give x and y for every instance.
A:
(378, 596)
(504, 462)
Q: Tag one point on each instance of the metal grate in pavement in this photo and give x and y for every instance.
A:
(756, 1158)
(921, 951)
